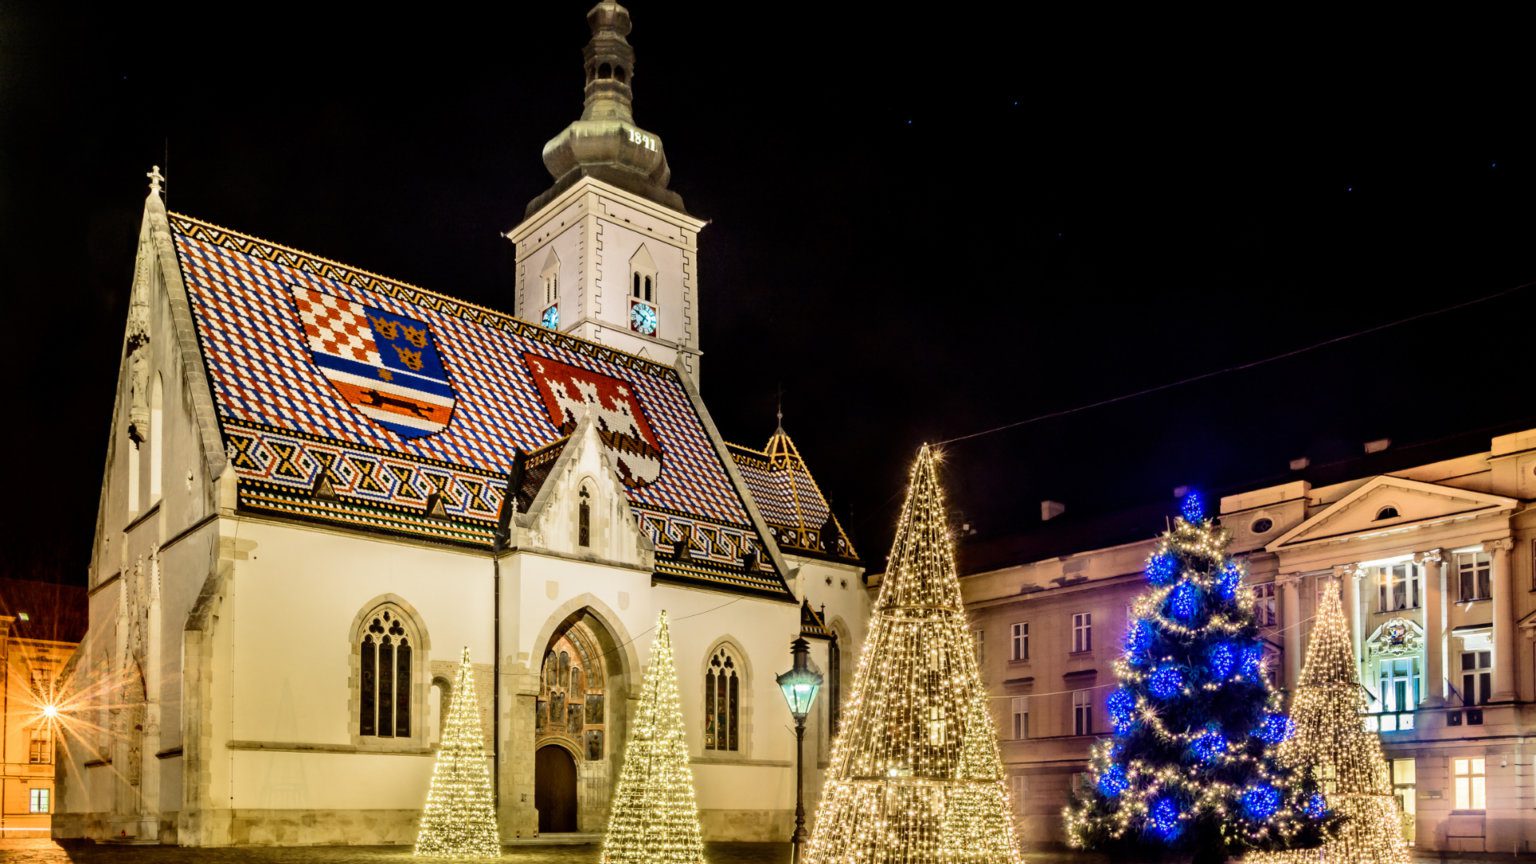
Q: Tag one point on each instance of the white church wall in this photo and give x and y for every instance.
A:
(624, 230)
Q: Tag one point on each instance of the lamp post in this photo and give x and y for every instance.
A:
(800, 685)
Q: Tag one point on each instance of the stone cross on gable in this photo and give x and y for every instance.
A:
(155, 179)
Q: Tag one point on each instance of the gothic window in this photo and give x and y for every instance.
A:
(386, 652)
(722, 701)
(584, 519)
(834, 685)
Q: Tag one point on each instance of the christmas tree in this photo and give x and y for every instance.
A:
(460, 819)
(914, 776)
(655, 818)
(1191, 766)
(1332, 747)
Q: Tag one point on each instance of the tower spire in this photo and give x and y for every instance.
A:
(610, 64)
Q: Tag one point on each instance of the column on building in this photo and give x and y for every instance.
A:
(1503, 620)
(1290, 627)
(1435, 613)
(1349, 576)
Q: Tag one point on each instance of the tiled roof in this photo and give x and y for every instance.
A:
(813, 624)
(347, 397)
(791, 503)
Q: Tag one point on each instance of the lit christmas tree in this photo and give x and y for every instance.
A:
(1191, 768)
(460, 819)
(915, 776)
(655, 818)
(1332, 747)
(978, 827)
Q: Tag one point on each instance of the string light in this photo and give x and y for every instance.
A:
(915, 775)
(460, 816)
(655, 816)
(1189, 768)
(1331, 745)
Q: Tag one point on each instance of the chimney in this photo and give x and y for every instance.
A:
(1051, 509)
(1300, 464)
(1378, 445)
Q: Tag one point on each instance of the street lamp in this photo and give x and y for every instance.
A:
(800, 685)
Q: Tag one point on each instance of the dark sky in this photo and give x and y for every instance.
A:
(919, 227)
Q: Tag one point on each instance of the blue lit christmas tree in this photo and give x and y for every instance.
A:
(1190, 769)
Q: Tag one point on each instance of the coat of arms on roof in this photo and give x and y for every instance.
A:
(384, 364)
(569, 390)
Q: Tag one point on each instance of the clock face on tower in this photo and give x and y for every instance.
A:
(551, 317)
(642, 318)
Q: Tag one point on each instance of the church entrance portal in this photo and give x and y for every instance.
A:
(554, 789)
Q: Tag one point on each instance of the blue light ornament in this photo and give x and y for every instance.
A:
(1222, 658)
(1227, 581)
(1166, 681)
(1184, 601)
(1210, 746)
(1162, 568)
(1260, 802)
(1113, 782)
(1275, 729)
(1163, 817)
(1193, 508)
(1317, 806)
(1121, 705)
(1138, 639)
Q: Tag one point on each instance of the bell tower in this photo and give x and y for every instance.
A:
(608, 252)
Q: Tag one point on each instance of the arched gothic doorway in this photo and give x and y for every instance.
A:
(579, 712)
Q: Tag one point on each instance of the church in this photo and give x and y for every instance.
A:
(322, 485)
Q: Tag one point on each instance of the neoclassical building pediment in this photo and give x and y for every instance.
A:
(1387, 504)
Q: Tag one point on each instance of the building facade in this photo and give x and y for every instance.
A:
(1435, 566)
(41, 625)
(322, 484)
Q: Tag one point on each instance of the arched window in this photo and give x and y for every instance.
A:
(605, 71)
(156, 438)
(618, 72)
(386, 644)
(834, 685)
(722, 701)
(584, 519)
(635, 290)
(1387, 512)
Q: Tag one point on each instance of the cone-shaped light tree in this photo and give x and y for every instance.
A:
(460, 817)
(914, 776)
(1333, 747)
(655, 818)
(1191, 767)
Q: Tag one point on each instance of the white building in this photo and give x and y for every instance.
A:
(1436, 566)
(296, 534)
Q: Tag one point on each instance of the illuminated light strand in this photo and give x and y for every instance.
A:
(915, 775)
(460, 817)
(1189, 767)
(655, 816)
(1331, 745)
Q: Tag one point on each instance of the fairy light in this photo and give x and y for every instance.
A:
(460, 816)
(915, 775)
(1331, 745)
(655, 817)
(1193, 763)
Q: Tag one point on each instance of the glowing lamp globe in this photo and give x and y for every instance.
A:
(800, 684)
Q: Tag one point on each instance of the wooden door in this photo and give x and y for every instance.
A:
(554, 789)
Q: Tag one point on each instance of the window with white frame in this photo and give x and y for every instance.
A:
(1082, 712)
(1471, 783)
(1082, 632)
(1474, 571)
(1476, 676)
(1399, 681)
(38, 802)
(981, 646)
(1264, 604)
(1397, 587)
(40, 747)
(1020, 712)
(1020, 641)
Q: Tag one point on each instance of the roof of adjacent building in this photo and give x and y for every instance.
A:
(792, 504)
(351, 398)
(44, 610)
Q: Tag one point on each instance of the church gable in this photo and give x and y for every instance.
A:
(348, 398)
(580, 508)
(1387, 503)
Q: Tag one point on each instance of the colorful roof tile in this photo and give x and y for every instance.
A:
(347, 397)
(790, 501)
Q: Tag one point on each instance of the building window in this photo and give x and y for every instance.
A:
(1399, 685)
(1471, 783)
(1264, 604)
(834, 685)
(1020, 785)
(40, 748)
(584, 519)
(39, 801)
(1082, 632)
(1020, 705)
(722, 702)
(1405, 787)
(1082, 712)
(1388, 512)
(1476, 677)
(1474, 570)
(1398, 587)
(386, 648)
(1020, 642)
(156, 438)
(981, 646)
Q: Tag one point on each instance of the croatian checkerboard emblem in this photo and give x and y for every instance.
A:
(384, 365)
(568, 390)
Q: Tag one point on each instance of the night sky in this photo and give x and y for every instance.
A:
(919, 228)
